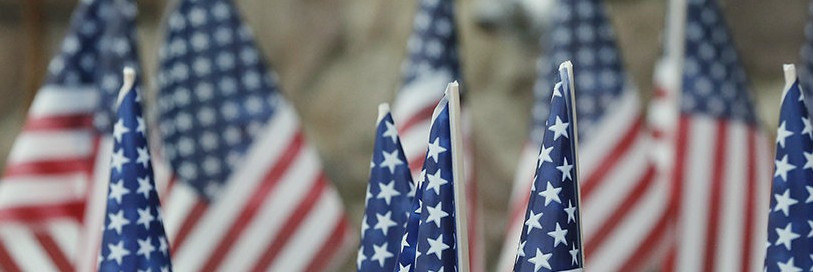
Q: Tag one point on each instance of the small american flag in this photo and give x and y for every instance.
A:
(133, 233)
(551, 235)
(251, 194)
(389, 199)
(790, 222)
(719, 164)
(49, 220)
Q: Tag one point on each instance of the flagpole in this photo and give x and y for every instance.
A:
(790, 78)
(129, 81)
(461, 220)
(571, 103)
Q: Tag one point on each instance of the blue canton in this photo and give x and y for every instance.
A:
(714, 82)
(433, 43)
(215, 92)
(806, 70)
(551, 235)
(581, 33)
(133, 238)
(790, 222)
(409, 241)
(388, 201)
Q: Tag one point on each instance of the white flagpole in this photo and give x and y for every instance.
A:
(567, 66)
(461, 220)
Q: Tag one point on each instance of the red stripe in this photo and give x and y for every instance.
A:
(644, 251)
(715, 197)
(7, 263)
(677, 189)
(422, 115)
(254, 202)
(50, 167)
(751, 193)
(49, 245)
(332, 247)
(621, 211)
(611, 160)
(189, 223)
(44, 212)
(292, 223)
(58, 122)
(473, 222)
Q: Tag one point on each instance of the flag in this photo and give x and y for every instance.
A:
(405, 259)
(250, 191)
(388, 203)
(551, 234)
(716, 152)
(133, 232)
(623, 204)
(789, 220)
(52, 191)
(432, 62)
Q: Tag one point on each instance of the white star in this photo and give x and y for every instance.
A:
(163, 246)
(551, 194)
(559, 129)
(558, 235)
(140, 127)
(436, 214)
(521, 249)
(118, 160)
(360, 257)
(402, 268)
(435, 181)
(781, 134)
(364, 225)
(119, 129)
(391, 160)
(810, 224)
(391, 132)
(145, 217)
(387, 191)
(783, 167)
(786, 236)
(117, 252)
(117, 191)
(571, 212)
(574, 254)
(145, 248)
(556, 91)
(404, 242)
(784, 201)
(544, 155)
(384, 222)
(565, 169)
(381, 254)
(808, 160)
(808, 129)
(117, 221)
(436, 246)
(143, 157)
(788, 266)
(809, 194)
(435, 149)
(144, 187)
(540, 260)
(533, 221)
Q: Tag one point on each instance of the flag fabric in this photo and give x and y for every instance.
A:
(789, 219)
(48, 218)
(551, 235)
(250, 191)
(622, 202)
(432, 62)
(719, 162)
(133, 233)
(388, 203)
(408, 252)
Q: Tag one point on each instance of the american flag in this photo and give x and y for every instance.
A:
(806, 69)
(251, 193)
(719, 163)
(551, 234)
(48, 219)
(434, 239)
(623, 204)
(789, 222)
(388, 201)
(133, 232)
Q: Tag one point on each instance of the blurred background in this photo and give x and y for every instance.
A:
(337, 59)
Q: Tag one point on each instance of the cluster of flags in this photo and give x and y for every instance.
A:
(219, 176)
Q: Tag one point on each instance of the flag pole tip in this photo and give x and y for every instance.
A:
(790, 72)
(566, 64)
(128, 82)
(383, 110)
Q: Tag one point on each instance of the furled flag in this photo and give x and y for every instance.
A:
(133, 232)
(551, 235)
(623, 204)
(251, 194)
(806, 69)
(433, 62)
(48, 219)
(790, 221)
(389, 199)
(714, 151)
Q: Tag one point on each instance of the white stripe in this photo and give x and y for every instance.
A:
(273, 213)
(692, 221)
(269, 146)
(51, 100)
(46, 145)
(311, 236)
(96, 208)
(21, 191)
(425, 91)
(732, 211)
(764, 164)
(24, 248)
(66, 235)
(611, 130)
(177, 207)
(415, 141)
